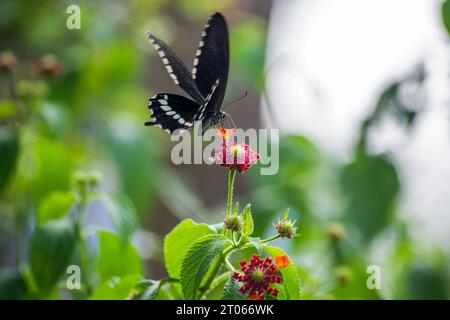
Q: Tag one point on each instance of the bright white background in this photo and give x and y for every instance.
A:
(328, 61)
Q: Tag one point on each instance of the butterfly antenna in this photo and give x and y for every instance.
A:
(238, 99)
(229, 118)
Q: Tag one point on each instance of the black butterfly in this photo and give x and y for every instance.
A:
(206, 84)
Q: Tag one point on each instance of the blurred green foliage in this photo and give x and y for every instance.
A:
(73, 103)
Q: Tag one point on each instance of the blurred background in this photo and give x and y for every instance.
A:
(358, 88)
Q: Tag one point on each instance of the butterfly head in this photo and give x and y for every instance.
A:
(219, 116)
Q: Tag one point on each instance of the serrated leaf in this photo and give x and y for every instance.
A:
(248, 221)
(178, 241)
(117, 257)
(122, 212)
(147, 290)
(291, 281)
(231, 291)
(196, 262)
(51, 248)
(256, 242)
(55, 206)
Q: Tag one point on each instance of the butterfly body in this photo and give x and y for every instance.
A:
(205, 84)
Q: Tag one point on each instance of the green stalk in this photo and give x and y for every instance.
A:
(84, 250)
(231, 176)
(270, 239)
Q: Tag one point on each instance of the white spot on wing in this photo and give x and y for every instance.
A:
(162, 101)
(165, 108)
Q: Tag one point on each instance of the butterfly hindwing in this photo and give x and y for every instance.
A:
(212, 62)
(171, 112)
(176, 68)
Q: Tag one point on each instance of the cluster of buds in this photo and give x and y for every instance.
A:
(286, 227)
(336, 232)
(233, 223)
(49, 65)
(85, 182)
(7, 61)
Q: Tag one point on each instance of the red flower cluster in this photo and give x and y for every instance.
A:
(235, 155)
(258, 276)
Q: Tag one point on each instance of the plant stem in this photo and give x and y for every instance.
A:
(270, 239)
(83, 247)
(231, 175)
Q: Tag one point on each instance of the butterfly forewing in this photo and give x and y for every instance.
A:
(171, 111)
(176, 68)
(206, 84)
(212, 62)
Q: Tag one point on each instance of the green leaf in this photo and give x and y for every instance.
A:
(12, 285)
(116, 288)
(51, 248)
(256, 242)
(231, 291)
(9, 148)
(197, 261)
(55, 206)
(117, 257)
(286, 214)
(7, 109)
(236, 209)
(248, 221)
(53, 168)
(147, 290)
(446, 15)
(141, 173)
(372, 185)
(178, 241)
(291, 281)
(122, 212)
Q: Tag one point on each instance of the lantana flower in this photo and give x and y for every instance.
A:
(235, 155)
(283, 261)
(258, 276)
(225, 133)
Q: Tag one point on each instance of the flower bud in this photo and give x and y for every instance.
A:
(336, 232)
(233, 223)
(344, 274)
(286, 228)
(7, 61)
(49, 65)
(94, 178)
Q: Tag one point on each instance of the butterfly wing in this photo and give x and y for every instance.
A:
(176, 68)
(211, 63)
(171, 112)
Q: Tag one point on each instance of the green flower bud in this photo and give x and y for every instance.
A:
(234, 223)
(336, 232)
(7, 61)
(344, 274)
(286, 228)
